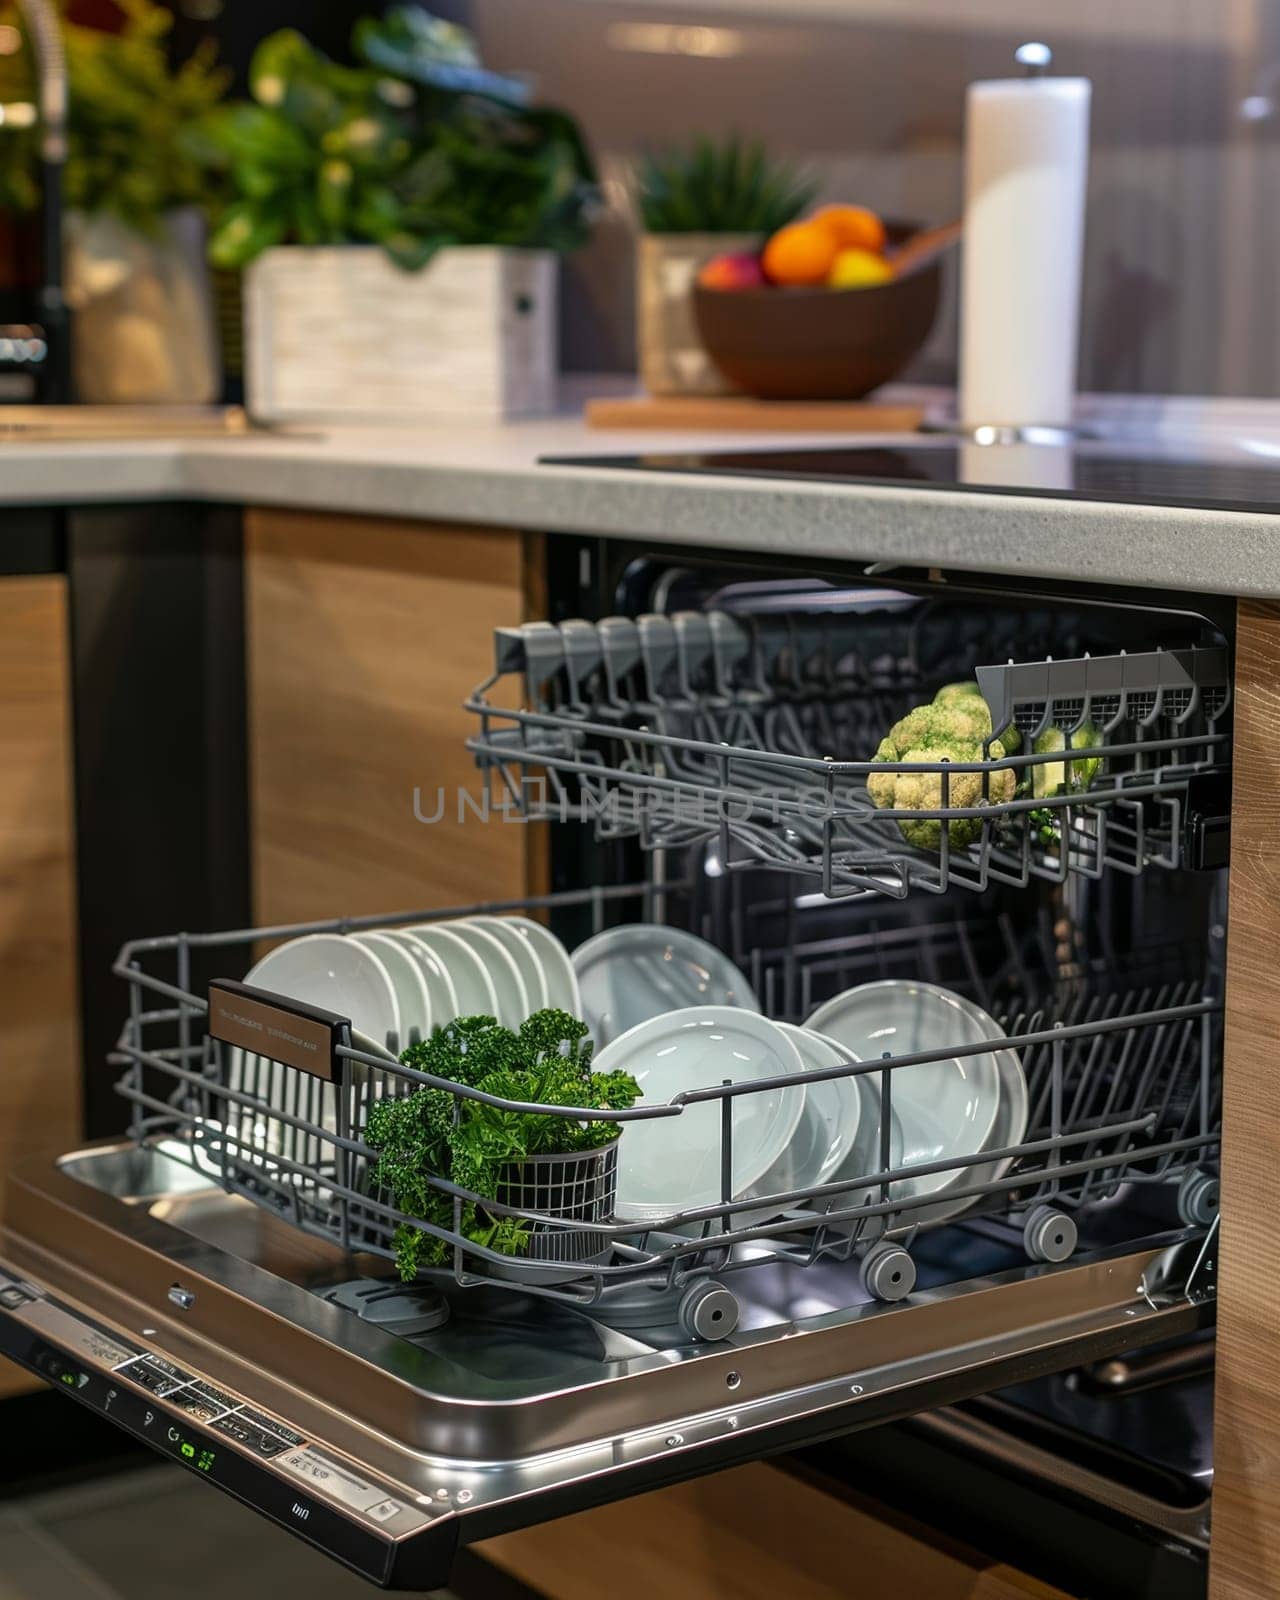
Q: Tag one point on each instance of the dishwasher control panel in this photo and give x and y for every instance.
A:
(375, 1528)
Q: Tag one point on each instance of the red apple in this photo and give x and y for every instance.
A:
(740, 271)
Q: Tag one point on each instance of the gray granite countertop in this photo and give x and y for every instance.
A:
(489, 474)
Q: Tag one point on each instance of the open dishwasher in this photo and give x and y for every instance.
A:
(220, 1282)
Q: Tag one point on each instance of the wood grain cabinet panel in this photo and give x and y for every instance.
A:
(752, 1533)
(1244, 1557)
(364, 637)
(39, 1023)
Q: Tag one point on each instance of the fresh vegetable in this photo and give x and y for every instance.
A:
(725, 187)
(417, 147)
(418, 1136)
(1060, 777)
(922, 791)
(953, 727)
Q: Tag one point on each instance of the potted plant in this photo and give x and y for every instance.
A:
(555, 1166)
(136, 193)
(706, 200)
(398, 221)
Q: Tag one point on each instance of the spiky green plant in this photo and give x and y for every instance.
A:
(720, 186)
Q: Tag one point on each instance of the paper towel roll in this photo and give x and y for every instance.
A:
(1026, 161)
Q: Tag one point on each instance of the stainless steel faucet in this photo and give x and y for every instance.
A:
(45, 33)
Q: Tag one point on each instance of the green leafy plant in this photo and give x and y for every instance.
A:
(419, 1136)
(730, 186)
(128, 112)
(416, 148)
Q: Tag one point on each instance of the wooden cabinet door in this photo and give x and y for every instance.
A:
(364, 638)
(39, 1019)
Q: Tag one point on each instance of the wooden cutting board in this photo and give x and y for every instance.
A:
(736, 413)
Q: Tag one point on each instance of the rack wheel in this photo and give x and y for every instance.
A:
(888, 1272)
(1049, 1235)
(1198, 1198)
(708, 1310)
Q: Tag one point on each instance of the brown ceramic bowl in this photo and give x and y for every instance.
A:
(801, 343)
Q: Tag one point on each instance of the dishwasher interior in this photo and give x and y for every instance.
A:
(220, 1282)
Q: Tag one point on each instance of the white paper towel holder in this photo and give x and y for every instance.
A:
(1035, 58)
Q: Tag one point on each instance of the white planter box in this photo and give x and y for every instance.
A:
(338, 333)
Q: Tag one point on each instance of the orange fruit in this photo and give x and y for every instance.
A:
(854, 227)
(802, 252)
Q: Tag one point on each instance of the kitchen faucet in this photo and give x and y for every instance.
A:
(45, 33)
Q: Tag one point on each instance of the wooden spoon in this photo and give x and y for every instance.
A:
(923, 249)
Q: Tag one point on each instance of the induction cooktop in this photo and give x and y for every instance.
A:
(1077, 471)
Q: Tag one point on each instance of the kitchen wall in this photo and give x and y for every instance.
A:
(1184, 198)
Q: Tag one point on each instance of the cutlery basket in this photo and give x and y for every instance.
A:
(1121, 1061)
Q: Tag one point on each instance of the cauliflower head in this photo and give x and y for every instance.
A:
(922, 791)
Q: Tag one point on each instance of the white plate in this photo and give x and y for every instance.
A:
(947, 1108)
(863, 1157)
(412, 995)
(671, 1164)
(642, 969)
(521, 952)
(473, 988)
(435, 975)
(556, 963)
(508, 986)
(326, 969)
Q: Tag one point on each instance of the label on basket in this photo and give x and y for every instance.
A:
(290, 1031)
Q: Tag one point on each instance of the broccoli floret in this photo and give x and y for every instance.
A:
(1051, 777)
(922, 791)
(955, 691)
(962, 717)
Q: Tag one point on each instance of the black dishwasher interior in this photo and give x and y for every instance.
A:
(702, 738)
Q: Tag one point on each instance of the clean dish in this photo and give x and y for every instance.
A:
(442, 995)
(556, 962)
(474, 993)
(640, 970)
(672, 1164)
(864, 1156)
(948, 1109)
(337, 973)
(521, 952)
(412, 996)
(510, 993)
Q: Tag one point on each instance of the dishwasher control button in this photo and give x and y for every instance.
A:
(218, 1399)
(155, 1374)
(270, 1425)
(12, 1298)
(251, 1437)
(383, 1511)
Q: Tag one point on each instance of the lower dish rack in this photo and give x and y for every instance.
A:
(1123, 1094)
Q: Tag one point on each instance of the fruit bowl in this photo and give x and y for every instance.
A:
(817, 343)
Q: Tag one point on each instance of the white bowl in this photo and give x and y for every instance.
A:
(947, 1108)
(642, 969)
(672, 1164)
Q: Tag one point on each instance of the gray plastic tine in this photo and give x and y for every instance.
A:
(693, 650)
(581, 656)
(730, 647)
(620, 648)
(543, 659)
(657, 651)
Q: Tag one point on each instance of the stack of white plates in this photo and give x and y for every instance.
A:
(397, 985)
(674, 1012)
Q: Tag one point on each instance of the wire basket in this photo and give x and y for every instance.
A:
(673, 736)
(1123, 1086)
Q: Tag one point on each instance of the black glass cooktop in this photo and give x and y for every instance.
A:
(1076, 472)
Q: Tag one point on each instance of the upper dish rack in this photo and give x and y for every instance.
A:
(704, 726)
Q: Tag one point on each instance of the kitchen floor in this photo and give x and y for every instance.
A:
(156, 1534)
